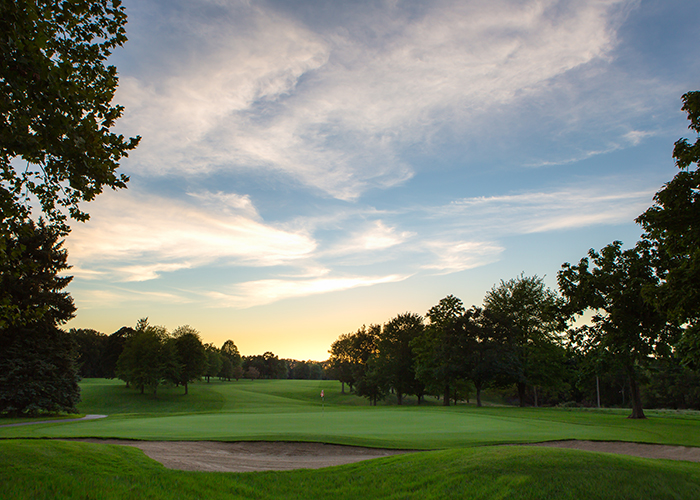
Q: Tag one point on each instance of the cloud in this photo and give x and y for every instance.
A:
(536, 212)
(333, 107)
(377, 237)
(137, 238)
(455, 256)
(260, 292)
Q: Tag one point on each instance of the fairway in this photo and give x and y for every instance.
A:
(290, 410)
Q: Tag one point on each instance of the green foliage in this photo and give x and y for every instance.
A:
(672, 230)
(191, 355)
(37, 371)
(31, 289)
(37, 368)
(625, 325)
(56, 111)
(267, 366)
(91, 348)
(440, 350)
(215, 361)
(148, 359)
(529, 313)
(395, 359)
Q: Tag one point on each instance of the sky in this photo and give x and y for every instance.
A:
(310, 166)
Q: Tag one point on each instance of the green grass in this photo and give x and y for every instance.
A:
(281, 410)
(66, 470)
(462, 465)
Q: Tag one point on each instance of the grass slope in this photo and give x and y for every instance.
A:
(292, 411)
(54, 469)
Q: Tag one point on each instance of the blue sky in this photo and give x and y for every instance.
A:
(308, 167)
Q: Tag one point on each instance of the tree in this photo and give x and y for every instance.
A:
(440, 349)
(372, 384)
(226, 372)
(625, 324)
(56, 110)
(672, 229)
(37, 359)
(148, 358)
(341, 361)
(230, 350)
(214, 361)
(238, 372)
(485, 347)
(191, 355)
(90, 349)
(252, 373)
(530, 311)
(56, 150)
(114, 346)
(395, 356)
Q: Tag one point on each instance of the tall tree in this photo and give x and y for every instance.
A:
(395, 356)
(37, 359)
(90, 351)
(341, 361)
(148, 358)
(191, 355)
(530, 310)
(672, 228)
(56, 148)
(56, 109)
(440, 349)
(626, 325)
(230, 350)
(215, 361)
(485, 340)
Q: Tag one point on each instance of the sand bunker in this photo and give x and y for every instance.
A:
(214, 456)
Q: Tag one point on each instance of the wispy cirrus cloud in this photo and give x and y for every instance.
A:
(333, 106)
(534, 212)
(136, 238)
(260, 292)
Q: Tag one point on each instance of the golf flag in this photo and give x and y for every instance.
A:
(321, 392)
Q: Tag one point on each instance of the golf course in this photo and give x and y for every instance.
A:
(455, 452)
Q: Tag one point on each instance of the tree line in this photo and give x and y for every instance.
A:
(148, 356)
(642, 342)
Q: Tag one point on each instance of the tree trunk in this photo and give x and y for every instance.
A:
(186, 387)
(399, 397)
(521, 393)
(478, 395)
(446, 396)
(534, 388)
(637, 410)
(342, 387)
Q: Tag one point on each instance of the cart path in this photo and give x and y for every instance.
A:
(56, 421)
